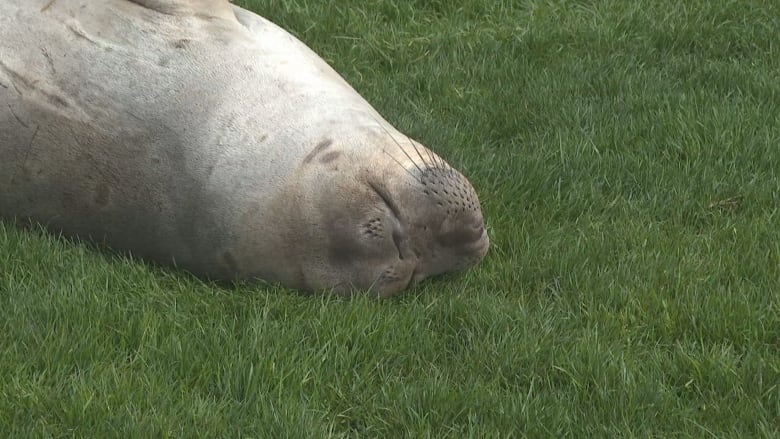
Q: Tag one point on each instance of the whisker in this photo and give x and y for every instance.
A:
(399, 147)
(436, 160)
(432, 157)
(417, 150)
(443, 164)
(399, 163)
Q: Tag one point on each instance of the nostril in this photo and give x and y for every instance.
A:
(461, 236)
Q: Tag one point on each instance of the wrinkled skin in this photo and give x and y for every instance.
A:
(200, 134)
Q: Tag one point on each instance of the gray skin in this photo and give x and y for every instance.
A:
(200, 134)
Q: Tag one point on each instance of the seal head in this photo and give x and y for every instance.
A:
(378, 221)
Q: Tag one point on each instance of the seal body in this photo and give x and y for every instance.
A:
(200, 134)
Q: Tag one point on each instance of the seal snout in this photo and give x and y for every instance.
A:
(441, 220)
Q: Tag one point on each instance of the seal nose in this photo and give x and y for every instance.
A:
(457, 238)
(458, 231)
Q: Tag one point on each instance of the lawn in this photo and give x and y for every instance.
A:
(626, 154)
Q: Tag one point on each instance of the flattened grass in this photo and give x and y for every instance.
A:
(626, 155)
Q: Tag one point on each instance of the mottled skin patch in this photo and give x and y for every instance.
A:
(320, 148)
(329, 157)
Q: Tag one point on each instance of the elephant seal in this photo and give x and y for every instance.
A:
(199, 134)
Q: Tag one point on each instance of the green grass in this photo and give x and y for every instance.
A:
(627, 158)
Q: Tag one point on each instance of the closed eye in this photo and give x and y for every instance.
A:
(397, 242)
(394, 209)
(386, 198)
